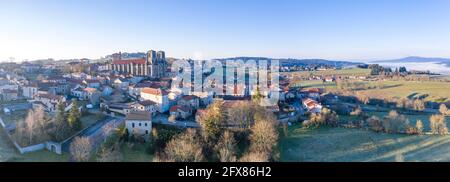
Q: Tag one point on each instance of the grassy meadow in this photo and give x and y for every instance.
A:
(346, 145)
(430, 90)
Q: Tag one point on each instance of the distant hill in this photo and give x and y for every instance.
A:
(283, 61)
(127, 55)
(416, 59)
(299, 62)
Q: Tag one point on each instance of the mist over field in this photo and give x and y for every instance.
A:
(416, 63)
(434, 67)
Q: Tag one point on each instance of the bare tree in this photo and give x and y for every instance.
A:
(326, 118)
(106, 130)
(396, 123)
(264, 135)
(255, 156)
(110, 154)
(443, 109)
(357, 112)
(375, 124)
(419, 105)
(438, 125)
(185, 147)
(363, 98)
(40, 117)
(32, 128)
(81, 149)
(419, 126)
(31, 125)
(241, 114)
(226, 148)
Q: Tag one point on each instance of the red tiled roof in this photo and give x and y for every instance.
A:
(188, 97)
(88, 89)
(313, 90)
(174, 108)
(148, 84)
(128, 61)
(154, 91)
(310, 103)
(201, 112)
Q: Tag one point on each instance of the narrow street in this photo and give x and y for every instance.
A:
(98, 132)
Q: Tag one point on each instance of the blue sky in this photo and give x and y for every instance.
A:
(330, 29)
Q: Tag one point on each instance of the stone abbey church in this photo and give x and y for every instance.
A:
(154, 65)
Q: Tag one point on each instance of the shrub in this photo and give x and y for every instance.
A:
(255, 157)
(80, 149)
(395, 123)
(375, 124)
(438, 125)
(185, 147)
(419, 127)
(325, 118)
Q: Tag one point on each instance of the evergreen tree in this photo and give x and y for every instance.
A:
(125, 135)
(212, 121)
(256, 98)
(74, 117)
(62, 128)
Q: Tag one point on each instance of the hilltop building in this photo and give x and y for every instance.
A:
(153, 65)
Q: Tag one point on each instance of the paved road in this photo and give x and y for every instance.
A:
(98, 132)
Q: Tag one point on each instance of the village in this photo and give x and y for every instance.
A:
(51, 105)
(134, 92)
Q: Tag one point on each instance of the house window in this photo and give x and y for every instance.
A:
(146, 132)
(139, 124)
(132, 125)
(145, 124)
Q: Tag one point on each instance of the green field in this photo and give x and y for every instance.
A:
(424, 117)
(436, 91)
(433, 91)
(328, 86)
(343, 145)
(137, 153)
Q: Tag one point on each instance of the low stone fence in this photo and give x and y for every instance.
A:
(32, 148)
(49, 145)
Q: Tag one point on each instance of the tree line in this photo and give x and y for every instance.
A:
(38, 126)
